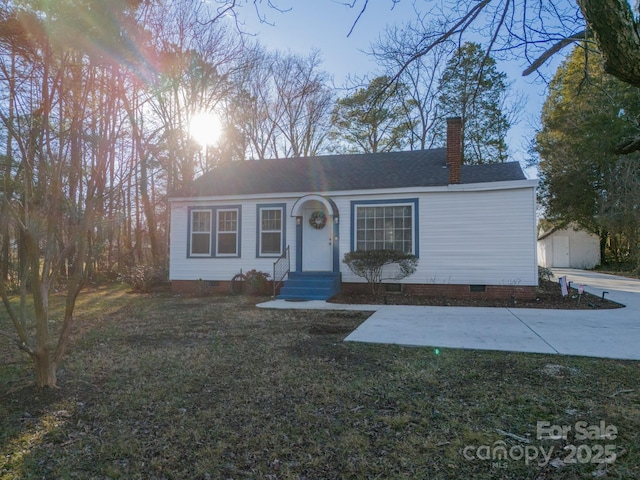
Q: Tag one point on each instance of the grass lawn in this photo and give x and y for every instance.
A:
(161, 387)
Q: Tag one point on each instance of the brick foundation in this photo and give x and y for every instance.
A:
(209, 287)
(200, 287)
(454, 291)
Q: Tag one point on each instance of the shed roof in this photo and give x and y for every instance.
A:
(564, 227)
(328, 173)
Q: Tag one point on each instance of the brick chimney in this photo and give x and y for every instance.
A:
(454, 148)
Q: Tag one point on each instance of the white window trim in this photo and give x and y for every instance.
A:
(383, 205)
(261, 231)
(192, 231)
(218, 232)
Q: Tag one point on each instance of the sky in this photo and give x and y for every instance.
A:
(324, 25)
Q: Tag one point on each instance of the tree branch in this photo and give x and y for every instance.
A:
(628, 146)
(584, 34)
(21, 345)
(22, 334)
(458, 27)
(616, 32)
(364, 7)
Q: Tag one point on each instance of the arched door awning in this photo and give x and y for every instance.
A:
(329, 204)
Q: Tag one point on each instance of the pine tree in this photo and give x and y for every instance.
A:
(473, 89)
(583, 180)
(372, 119)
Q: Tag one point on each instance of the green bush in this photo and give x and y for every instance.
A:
(370, 265)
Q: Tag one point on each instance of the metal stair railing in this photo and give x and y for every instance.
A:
(281, 268)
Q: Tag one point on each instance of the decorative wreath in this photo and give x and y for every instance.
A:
(318, 220)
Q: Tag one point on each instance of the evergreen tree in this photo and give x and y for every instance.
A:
(583, 180)
(372, 119)
(473, 89)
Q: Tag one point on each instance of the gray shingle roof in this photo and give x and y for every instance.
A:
(342, 172)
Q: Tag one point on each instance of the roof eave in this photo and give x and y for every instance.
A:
(481, 186)
(498, 185)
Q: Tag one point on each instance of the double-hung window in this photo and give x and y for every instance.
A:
(386, 226)
(214, 231)
(227, 232)
(271, 230)
(200, 232)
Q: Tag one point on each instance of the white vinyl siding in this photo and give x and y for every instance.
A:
(184, 266)
(467, 234)
(479, 237)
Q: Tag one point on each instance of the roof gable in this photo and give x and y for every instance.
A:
(329, 173)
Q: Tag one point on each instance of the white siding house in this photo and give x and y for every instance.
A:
(569, 247)
(472, 227)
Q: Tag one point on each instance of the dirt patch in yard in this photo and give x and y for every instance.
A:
(548, 296)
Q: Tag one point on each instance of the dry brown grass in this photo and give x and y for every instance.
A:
(167, 387)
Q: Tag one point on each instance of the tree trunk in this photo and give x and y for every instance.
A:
(45, 368)
(604, 235)
(617, 37)
(149, 211)
(7, 190)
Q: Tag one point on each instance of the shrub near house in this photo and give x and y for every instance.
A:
(370, 265)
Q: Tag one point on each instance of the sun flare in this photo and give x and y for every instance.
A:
(205, 128)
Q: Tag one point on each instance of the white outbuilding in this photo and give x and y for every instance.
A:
(568, 247)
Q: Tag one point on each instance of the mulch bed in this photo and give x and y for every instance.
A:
(548, 296)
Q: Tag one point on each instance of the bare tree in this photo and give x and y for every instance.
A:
(393, 48)
(251, 107)
(195, 60)
(95, 100)
(57, 123)
(304, 102)
(282, 104)
(537, 30)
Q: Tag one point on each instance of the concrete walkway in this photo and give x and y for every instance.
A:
(595, 333)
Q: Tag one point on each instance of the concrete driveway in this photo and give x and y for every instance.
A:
(595, 333)
(620, 289)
